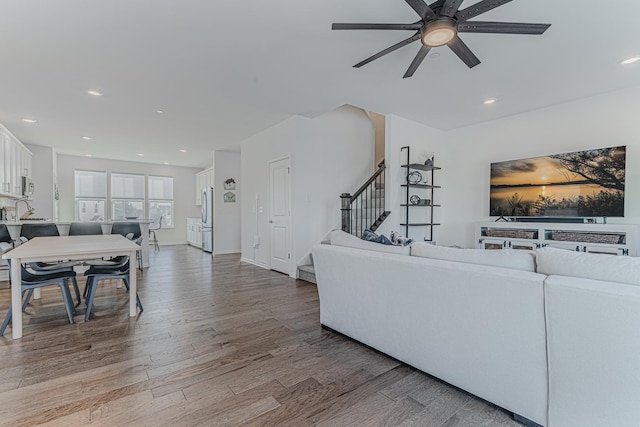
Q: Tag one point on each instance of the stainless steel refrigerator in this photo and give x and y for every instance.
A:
(207, 219)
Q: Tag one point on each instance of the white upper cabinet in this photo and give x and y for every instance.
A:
(204, 180)
(17, 161)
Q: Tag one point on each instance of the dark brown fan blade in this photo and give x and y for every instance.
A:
(422, 53)
(422, 9)
(462, 50)
(502, 27)
(388, 50)
(479, 8)
(413, 27)
(450, 8)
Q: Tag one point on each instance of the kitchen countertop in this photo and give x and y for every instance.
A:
(11, 222)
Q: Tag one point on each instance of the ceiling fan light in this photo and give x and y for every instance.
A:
(439, 33)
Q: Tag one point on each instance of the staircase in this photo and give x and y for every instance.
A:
(364, 210)
(366, 207)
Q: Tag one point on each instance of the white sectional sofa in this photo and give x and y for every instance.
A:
(556, 350)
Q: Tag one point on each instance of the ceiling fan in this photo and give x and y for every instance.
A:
(439, 25)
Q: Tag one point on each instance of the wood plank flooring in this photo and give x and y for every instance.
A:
(220, 343)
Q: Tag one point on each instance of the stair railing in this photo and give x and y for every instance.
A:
(362, 210)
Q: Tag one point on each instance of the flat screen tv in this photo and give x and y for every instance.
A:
(586, 183)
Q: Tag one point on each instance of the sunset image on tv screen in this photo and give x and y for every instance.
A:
(586, 183)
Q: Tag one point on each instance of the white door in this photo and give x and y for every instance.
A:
(279, 215)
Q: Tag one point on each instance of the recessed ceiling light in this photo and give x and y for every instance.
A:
(94, 93)
(630, 60)
(29, 120)
(160, 111)
(140, 154)
(88, 155)
(183, 151)
(166, 163)
(489, 101)
(87, 138)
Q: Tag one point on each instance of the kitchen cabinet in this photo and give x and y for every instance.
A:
(17, 161)
(194, 232)
(204, 179)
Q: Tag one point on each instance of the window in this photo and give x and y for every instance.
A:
(127, 196)
(161, 199)
(91, 195)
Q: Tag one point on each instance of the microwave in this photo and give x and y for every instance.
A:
(27, 186)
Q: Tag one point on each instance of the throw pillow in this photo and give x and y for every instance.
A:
(340, 238)
(370, 236)
(513, 259)
(610, 268)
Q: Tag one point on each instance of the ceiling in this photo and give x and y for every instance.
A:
(224, 70)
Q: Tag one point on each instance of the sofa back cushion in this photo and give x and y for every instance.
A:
(611, 268)
(507, 258)
(340, 238)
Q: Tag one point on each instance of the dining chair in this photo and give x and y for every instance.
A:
(130, 230)
(6, 244)
(118, 270)
(30, 231)
(85, 228)
(152, 231)
(30, 281)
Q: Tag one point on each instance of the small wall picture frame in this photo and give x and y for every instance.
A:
(229, 197)
(230, 184)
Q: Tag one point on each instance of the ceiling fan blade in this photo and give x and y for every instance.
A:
(422, 9)
(450, 8)
(502, 27)
(462, 50)
(479, 8)
(414, 27)
(388, 50)
(422, 53)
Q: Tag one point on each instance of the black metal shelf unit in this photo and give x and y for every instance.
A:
(415, 200)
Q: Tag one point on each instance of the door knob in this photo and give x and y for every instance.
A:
(270, 221)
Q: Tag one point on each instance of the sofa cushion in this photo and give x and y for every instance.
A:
(611, 268)
(514, 259)
(340, 238)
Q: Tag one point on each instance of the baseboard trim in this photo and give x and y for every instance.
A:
(234, 251)
(256, 263)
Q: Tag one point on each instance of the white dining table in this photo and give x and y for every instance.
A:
(70, 248)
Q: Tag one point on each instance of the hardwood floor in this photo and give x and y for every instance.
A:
(220, 343)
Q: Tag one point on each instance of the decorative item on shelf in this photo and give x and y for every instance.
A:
(414, 178)
(429, 161)
(417, 201)
(230, 184)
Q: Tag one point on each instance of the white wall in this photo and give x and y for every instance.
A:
(227, 216)
(42, 176)
(183, 189)
(423, 142)
(330, 154)
(602, 121)
(465, 156)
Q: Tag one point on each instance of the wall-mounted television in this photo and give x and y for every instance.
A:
(586, 183)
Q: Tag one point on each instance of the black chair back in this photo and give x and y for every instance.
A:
(85, 228)
(5, 237)
(124, 228)
(29, 231)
